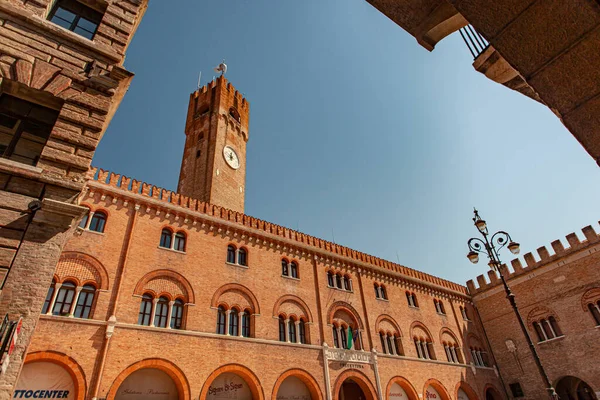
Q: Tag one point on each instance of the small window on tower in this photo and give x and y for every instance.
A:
(198, 154)
(201, 136)
(234, 114)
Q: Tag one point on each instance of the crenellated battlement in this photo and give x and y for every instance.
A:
(222, 81)
(156, 193)
(544, 257)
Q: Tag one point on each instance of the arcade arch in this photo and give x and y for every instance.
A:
(434, 390)
(355, 386)
(153, 375)
(571, 387)
(244, 382)
(296, 383)
(400, 388)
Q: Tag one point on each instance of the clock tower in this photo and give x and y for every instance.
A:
(213, 168)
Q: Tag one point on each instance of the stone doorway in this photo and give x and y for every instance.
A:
(573, 388)
(351, 391)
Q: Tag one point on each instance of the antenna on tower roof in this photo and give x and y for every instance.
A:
(199, 79)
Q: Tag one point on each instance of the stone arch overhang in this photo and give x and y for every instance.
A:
(183, 387)
(295, 299)
(449, 332)
(467, 389)
(305, 377)
(391, 320)
(167, 273)
(420, 325)
(235, 287)
(360, 379)
(98, 270)
(590, 296)
(66, 362)
(437, 385)
(405, 384)
(342, 305)
(244, 372)
(473, 339)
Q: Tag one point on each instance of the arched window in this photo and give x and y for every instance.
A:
(383, 343)
(64, 299)
(338, 281)
(292, 331)
(161, 312)
(452, 352)
(442, 310)
(376, 287)
(463, 311)
(424, 348)
(145, 310)
(49, 297)
(284, 267)
(231, 254)
(294, 269)
(330, 282)
(336, 342)
(302, 331)
(98, 222)
(383, 292)
(281, 328)
(547, 329)
(84, 303)
(347, 283)
(166, 237)
(246, 324)
(344, 337)
(398, 343)
(177, 314)
(412, 300)
(242, 257)
(233, 322)
(179, 244)
(221, 320)
(479, 357)
(594, 309)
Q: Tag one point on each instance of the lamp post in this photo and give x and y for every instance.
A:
(490, 245)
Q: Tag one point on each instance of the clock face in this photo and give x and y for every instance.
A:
(231, 157)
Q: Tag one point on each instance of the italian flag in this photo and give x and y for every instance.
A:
(349, 341)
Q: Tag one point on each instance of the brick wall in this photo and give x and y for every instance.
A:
(129, 251)
(83, 81)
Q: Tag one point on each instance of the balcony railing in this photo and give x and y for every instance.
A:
(474, 41)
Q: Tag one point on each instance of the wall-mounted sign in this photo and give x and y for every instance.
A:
(462, 395)
(44, 380)
(396, 392)
(229, 386)
(147, 383)
(293, 388)
(349, 356)
(431, 393)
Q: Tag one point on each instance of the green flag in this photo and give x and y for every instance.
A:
(349, 341)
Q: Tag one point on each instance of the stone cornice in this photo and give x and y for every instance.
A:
(150, 199)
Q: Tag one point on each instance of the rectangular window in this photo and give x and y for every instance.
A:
(24, 129)
(76, 17)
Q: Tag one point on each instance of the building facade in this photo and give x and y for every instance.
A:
(161, 295)
(61, 81)
(559, 298)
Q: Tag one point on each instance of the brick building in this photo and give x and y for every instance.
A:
(170, 295)
(559, 298)
(61, 81)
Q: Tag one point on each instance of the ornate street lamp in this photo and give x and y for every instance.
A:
(489, 246)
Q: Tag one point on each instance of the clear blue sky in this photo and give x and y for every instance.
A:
(356, 129)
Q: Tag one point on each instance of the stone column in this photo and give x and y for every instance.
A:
(170, 314)
(227, 313)
(75, 300)
(297, 323)
(326, 371)
(57, 286)
(153, 314)
(393, 340)
(89, 220)
(425, 350)
(31, 267)
(377, 379)
(287, 330)
(362, 347)
(240, 326)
